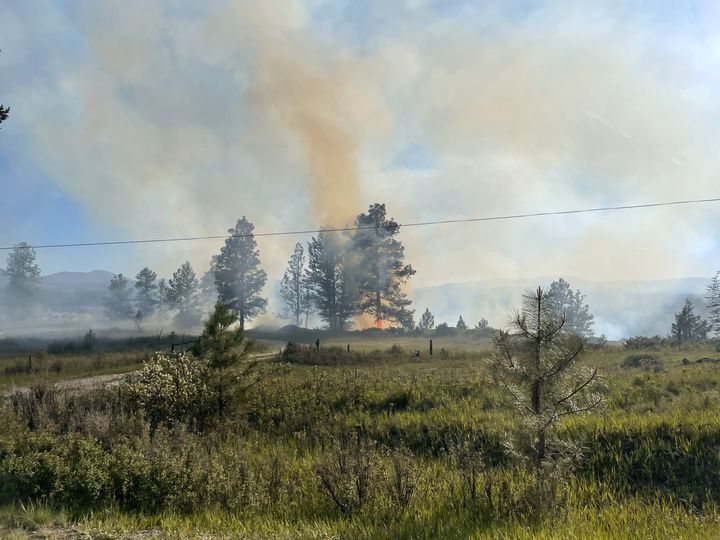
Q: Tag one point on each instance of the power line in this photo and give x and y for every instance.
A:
(347, 229)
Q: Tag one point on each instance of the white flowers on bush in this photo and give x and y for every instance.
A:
(172, 388)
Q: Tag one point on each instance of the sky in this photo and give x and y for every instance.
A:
(135, 119)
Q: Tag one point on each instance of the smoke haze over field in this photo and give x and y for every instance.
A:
(176, 118)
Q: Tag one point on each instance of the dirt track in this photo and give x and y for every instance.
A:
(83, 383)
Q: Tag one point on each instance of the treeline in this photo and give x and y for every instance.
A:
(561, 303)
(345, 274)
(337, 276)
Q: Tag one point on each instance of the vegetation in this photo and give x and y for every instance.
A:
(712, 297)
(427, 321)
(146, 297)
(688, 326)
(380, 266)
(23, 278)
(333, 291)
(118, 302)
(294, 288)
(182, 295)
(238, 276)
(322, 442)
(571, 306)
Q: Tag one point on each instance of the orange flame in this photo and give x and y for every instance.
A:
(378, 324)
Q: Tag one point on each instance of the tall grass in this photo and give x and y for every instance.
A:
(425, 438)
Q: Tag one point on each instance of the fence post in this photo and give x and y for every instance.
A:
(431, 347)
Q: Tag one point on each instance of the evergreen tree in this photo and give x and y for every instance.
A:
(4, 112)
(146, 292)
(538, 366)
(183, 296)
(208, 296)
(293, 288)
(564, 303)
(461, 324)
(482, 324)
(118, 304)
(712, 298)
(688, 326)
(333, 292)
(238, 276)
(427, 321)
(380, 265)
(23, 275)
(221, 342)
(162, 296)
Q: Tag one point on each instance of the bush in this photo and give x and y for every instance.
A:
(648, 362)
(644, 342)
(173, 388)
(348, 474)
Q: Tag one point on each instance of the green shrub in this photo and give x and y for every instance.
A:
(647, 362)
(173, 388)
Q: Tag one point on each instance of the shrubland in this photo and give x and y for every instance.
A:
(375, 443)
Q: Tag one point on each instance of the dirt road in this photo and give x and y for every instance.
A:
(84, 383)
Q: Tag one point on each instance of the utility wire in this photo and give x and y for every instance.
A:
(345, 229)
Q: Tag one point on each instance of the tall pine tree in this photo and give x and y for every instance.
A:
(564, 303)
(380, 263)
(333, 292)
(293, 286)
(118, 303)
(238, 276)
(146, 292)
(23, 276)
(427, 320)
(688, 326)
(182, 295)
(712, 297)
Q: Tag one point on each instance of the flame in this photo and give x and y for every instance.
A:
(378, 324)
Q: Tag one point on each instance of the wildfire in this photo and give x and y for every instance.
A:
(378, 324)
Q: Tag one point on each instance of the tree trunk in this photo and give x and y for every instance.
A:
(536, 396)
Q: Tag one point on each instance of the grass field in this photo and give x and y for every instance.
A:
(426, 439)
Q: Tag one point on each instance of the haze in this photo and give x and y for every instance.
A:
(142, 120)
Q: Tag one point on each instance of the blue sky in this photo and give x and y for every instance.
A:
(135, 120)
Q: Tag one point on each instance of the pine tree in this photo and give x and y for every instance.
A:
(712, 298)
(564, 303)
(238, 276)
(293, 288)
(380, 265)
(333, 292)
(220, 343)
(482, 324)
(162, 296)
(118, 304)
(183, 296)
(688, 326)
(538, 366)
(4, 112)
(146, 292)
(461, 324)
(208, 296)
(427, 321)
(23, 275)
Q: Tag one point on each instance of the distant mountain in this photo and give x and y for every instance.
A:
(75, 292)
(621, 308)
(74, 278)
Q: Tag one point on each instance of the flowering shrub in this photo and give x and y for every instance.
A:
(173, 388)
